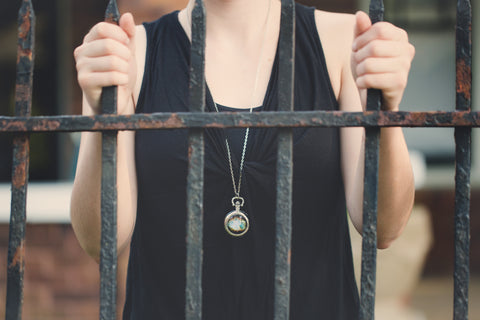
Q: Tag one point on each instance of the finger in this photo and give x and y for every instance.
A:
(362, 23)
(388, 82)
(103, 47)
(381, 49)
(104, 30)
(127, 23)
(103, 64)
(102, 79)
(379, 31)
(382, 65)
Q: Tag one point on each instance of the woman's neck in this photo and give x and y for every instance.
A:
(234, 19)
(241, 42)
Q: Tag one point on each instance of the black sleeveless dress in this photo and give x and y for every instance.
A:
(238, 273)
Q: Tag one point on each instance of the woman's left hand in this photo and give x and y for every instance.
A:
(381, 59)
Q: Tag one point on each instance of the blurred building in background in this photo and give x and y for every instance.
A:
(62, 281)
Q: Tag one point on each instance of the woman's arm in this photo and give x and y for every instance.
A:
(377, 56)
(108, 56)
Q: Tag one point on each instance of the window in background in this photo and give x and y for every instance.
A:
(434, 15)
(431, 28)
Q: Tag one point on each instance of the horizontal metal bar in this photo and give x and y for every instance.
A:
(240, 120)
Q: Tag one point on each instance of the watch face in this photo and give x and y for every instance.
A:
(236, 223)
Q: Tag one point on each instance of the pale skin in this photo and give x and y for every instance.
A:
(358, 55)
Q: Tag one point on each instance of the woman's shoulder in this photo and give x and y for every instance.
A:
(335, 31)
(335, 17)
(335, 28)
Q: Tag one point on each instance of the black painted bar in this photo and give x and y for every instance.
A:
(462, 160)
(193, 290)
(370, 195)
(108, 250)
(21, 154)
(283, 239)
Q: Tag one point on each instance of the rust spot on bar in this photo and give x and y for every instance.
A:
(97, 125)
(23, 91)
(21, 155)
(46, 125)
(19, 257)
(216, 125)
(173, 121)
(464, 79)
(19, 176)
(24, 53)
(241, 123)
(20, 165)
(25, 27)
(16, 125)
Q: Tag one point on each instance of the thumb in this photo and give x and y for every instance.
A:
(362, 23)
(128, 24)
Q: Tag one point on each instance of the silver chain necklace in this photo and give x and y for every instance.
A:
(236, 222)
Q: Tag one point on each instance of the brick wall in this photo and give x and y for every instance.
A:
(61, 281)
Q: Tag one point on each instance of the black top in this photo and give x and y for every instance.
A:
(238, 273)
(236, 136)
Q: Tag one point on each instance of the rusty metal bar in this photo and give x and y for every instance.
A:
(283, 237)
(21, 154)
(21, 124)
(108, 250)
(462, 160)
(370, 194)
(281, 119)
(196, 149)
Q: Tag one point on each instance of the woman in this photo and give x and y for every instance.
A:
(338, 57)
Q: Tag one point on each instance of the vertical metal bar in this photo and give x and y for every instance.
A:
(284, 164)
(108, 250)
(193, 290)
(21, 154)
(370, 195)
(462, 160)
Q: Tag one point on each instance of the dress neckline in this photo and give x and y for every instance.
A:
(221, 107)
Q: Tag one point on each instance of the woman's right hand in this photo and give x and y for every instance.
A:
(107, 58)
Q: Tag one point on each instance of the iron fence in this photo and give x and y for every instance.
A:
(21, 125)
